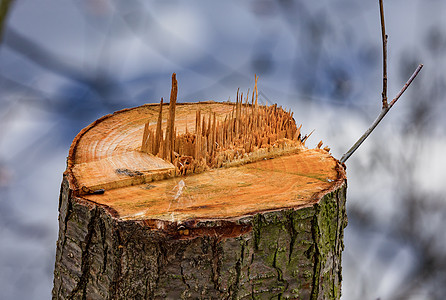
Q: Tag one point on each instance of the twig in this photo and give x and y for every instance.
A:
(384, 40)
(385, 106)
(384, 111)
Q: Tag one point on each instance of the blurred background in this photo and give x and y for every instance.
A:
(65, 63)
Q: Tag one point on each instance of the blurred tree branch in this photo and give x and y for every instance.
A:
(41, 56)
(100, 82)
(5, 7)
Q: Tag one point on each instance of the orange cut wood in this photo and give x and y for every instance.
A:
(106, 166)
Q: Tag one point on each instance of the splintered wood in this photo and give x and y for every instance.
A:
(177, 161)
(242, 136)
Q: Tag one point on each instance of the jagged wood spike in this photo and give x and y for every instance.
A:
(145, 137)
(198, 136)
(257, 92)
(208, 130)
(213, 135)
(171, 119)
(158, 133)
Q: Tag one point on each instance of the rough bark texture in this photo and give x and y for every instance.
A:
(284, 254)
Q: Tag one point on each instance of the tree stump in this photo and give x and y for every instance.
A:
(209, 210)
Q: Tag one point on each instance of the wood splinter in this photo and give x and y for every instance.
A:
(244, 133)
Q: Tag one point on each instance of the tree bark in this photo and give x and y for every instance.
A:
(285, 254)
(290, 251)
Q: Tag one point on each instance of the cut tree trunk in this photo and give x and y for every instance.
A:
(264, 224)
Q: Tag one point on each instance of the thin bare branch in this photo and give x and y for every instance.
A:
(383, 112)
(384, 40)
(408, 82)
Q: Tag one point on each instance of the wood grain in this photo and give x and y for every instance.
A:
(107, 156)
